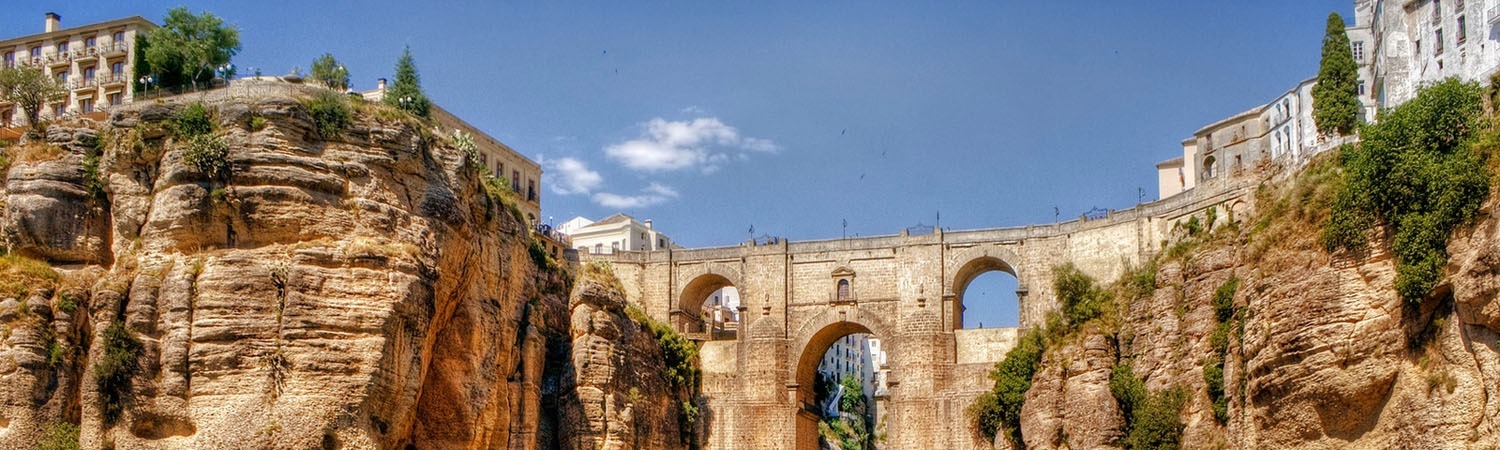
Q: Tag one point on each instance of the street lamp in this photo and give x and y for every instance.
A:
(147, 81)
(225, 71)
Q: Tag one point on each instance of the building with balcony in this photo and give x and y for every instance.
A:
(523, 174)
(1416, 42)
(93, 62)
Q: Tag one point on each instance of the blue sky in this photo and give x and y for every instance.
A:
(711, 117)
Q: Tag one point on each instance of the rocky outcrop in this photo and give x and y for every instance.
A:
(621, 399)
(1329, 357)
(359, 292)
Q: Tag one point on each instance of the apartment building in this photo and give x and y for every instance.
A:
(93, 62)
(615, 233)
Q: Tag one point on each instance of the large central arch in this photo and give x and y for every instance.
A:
(974, 266)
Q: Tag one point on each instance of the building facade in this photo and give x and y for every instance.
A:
(851, 356)
(1416, 42)
(93, 62)
(616, 233)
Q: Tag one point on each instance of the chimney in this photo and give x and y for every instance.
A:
(648, 224)
(53, 20)
(380, 85)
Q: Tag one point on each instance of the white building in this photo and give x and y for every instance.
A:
(1417, 42)
(859, 356)
(615, 233)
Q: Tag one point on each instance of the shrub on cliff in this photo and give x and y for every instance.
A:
(59, 436)
(1416, 173)
(1082, 299)
(1152, 419)
(209, 154)
(1001, 407)
(192, 121)
(330, 112)
(114, 371)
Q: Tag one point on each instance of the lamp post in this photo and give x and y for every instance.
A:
(226, 72)
(147, 81)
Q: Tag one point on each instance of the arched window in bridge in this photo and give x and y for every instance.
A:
(843, 290)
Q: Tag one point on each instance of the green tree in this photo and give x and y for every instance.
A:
(1336, 96)
(406, 92)
(187, 48)
(1416, 172)
(29, 88)
(329, 72)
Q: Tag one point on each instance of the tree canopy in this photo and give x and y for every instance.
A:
(1336, 96)
(29, 88)
(187, 48)
(406, 92)
(329, 72)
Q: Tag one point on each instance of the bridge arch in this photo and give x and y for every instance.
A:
(687, 311)
(809, 346)
(970, 264)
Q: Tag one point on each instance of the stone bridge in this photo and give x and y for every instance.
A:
(907, 290)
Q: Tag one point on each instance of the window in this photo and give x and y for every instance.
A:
(843, 290)
(59, 109)
(1361, 88)
(1359, 50)
(90, 42)
(614, 246)
(6, 117)
(661, 243)
(1437, 47)
(62, 47)
(62, 77)
(117, 69)
(86, 105)
(119, 36)
(114, 99)
(10, 59)
(1463, 30)
(1208, 168)
(36, 52)
(1419, 47)
(88, 74)
(598, 248)
(530, 190)
(515, 180)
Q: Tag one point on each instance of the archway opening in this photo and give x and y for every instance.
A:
(708, 309)
(841, 380)
(989, 295)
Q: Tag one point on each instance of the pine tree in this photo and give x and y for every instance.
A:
(406, 92)
(1335, 97)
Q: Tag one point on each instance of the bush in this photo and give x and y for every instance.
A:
(1001, 407)
(59, 436)
(331, 113)
(1081, 299)
(19, 275)
(193, 120)
(209, 154)
(1416, 172)
(93, 180)
(113, 372)
(1153, 420)
(1226, 318)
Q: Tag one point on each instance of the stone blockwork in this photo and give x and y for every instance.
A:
(906, 290)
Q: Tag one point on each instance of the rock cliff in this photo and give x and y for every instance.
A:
(1319, 352)
(265, 287)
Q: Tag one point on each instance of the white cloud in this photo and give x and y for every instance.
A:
(652, 195)
(702, 143)
(570, 176)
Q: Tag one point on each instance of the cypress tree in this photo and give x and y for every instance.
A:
(406, 92)
(1336, 97)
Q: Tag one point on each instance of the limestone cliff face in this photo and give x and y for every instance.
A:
(356, 292)
(620, 399)
(1330, 356)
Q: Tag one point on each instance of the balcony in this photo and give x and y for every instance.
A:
(114, 48)
(57, 59)
(86, 54)
(83, 83)
(1492, 13)
(112, 80)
